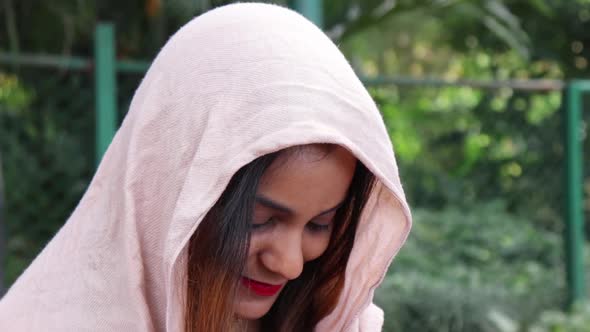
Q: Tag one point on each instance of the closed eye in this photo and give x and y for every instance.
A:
(318, 228)
(261, 226)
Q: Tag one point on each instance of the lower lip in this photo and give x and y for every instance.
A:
(260, 288)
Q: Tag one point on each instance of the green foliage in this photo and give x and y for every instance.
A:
(461, 145)
(47, 158)
(474, 269)
(456, 146)
(13, 96)
(557, 321)
(486, 240)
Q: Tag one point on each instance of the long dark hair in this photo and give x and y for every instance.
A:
(218, 250)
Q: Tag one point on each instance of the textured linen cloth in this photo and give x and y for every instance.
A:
(234, 84)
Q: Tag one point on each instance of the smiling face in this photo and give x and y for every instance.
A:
(296, 202)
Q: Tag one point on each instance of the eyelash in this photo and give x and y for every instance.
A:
(266, 224)
(312, 227)
(317, 228)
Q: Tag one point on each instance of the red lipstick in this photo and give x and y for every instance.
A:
(260, 288)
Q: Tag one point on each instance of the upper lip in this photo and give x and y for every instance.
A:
(264, 282)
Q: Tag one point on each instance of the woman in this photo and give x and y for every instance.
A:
(251, 186)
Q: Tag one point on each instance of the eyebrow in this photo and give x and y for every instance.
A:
(267, 202)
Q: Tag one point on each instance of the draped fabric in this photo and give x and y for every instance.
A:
(236, 83)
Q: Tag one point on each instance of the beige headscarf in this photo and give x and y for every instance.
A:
(234, 84)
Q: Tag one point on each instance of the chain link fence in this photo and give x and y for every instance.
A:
(47, 147)
(483, 166)
(459, 145)
(46, 121)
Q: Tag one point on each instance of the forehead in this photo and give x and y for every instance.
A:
(309, 178)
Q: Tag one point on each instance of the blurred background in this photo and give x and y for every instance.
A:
(483, 101)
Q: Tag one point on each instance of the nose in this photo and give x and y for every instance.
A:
(285, 256)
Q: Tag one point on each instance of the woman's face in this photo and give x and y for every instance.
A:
(293, 217)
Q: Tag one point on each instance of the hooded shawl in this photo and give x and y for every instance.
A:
(236, 83)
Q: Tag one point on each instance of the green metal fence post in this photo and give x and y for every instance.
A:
(574, 215)
(312, 9)
(3, 236)
(105, 86)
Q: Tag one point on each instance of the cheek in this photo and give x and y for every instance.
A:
(253, 249)
(254, 244)
(314, 245)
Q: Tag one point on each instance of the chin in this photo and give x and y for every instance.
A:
(250, 315)
(252, 310)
